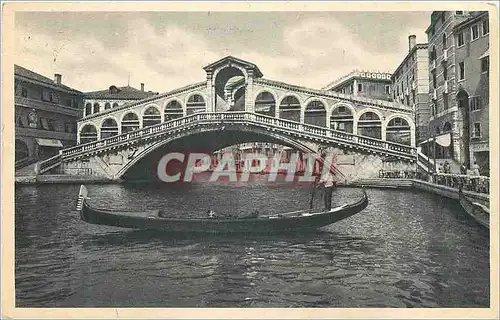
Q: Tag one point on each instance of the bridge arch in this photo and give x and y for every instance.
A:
(315, 112)
(265, 99)
(342, 117)
(108, 127)
(87, 133)
(107, 106)
(195, 102)
(97, 107)
(173, 109)
(151, 115)
(88, 109)
(369, 124)
(290, 107)
(115, 105)
(129, 121)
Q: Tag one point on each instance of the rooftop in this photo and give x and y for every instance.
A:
(374, 75)
(120, 93)
(42, 80)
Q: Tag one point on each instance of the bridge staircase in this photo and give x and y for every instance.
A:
(317, 134)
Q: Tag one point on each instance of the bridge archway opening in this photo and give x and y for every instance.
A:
(109, 128)
(446, 127)
(342, 119)
(238, 99)
(96, 107)
(225, 81)
(151, 117)
(130, 122)
(107, 106)
(88, 133)
(115, 105)
(195, 104)
(315, 114)
(398, 130)
(265, 104)
(173, 110)
(88, 109)
(370, 125)
(290, 108)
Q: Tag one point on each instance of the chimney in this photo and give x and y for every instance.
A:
(412, 42)
(57, 78)
(142, 87)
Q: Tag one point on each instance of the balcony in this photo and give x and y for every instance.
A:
(445, 55)
(433, 64)
(446, 86)
(46, 106)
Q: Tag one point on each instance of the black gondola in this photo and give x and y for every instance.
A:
(479, 212)
(302, 220)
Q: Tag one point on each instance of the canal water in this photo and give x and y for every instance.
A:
(406, 249)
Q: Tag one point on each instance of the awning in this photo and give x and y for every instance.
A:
(443, 140)
(484, 55)
(49, 143)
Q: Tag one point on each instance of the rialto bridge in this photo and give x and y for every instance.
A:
(235, 104)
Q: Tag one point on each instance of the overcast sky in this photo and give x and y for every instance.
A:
(167, 50)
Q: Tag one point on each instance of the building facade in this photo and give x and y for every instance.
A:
(410, 85)
(113, 97)
(455, 47)
(367, 84)
(46, 113)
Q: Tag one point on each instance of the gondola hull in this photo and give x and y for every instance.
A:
(477, 211)
(153, 220)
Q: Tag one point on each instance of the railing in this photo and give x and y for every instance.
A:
(425, 161)
(480, 184)
(46, 165)
(263, 121)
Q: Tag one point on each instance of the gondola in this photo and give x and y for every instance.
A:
(479, 212)
(302, 220)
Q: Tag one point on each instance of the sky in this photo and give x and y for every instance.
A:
(167, 50)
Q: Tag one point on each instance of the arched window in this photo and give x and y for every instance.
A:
(370, 125)
(290, 108)
(88, 109)
(342, 119)
(195, 104)
(398, 130)
(173, 110)
(130, 122)
(151, 117)
(115, 105)
(107, 106)
(447, 127)
(265, 104)
(315, 114)
(109, 128)
(88, 133)
(96, 107)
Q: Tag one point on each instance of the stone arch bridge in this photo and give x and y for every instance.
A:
(368, 133)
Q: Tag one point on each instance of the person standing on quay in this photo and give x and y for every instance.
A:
(475, 169)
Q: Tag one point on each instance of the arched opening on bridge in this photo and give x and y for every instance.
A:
(342, 119)
(238, 100)
(96, 107)
(265, 104)
(109, 128)
(21, 150)
(107, 106)
(290, 108)
(151, 117)
(370, 125)
(225, 82)
(88, 133)
(130, 122)
(315, 113)
(195, 104)
(115, 105)
(88, 109)
(398, 130)
(446, 127)
(173, 110)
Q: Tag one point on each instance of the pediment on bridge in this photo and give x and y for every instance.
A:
(230, 61)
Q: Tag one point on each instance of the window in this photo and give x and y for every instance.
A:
(341, 126)
(45, 95)
(434, 80)
(24, 92)
(461, 71)
(54, 97)
(387, 89)
(485, 64)
(486, 27)
(445, 72)
(50, 124)
(445, 101)
(475, 103)
(477, 130)
(444, 41)
(442, 18)
(460, 39)
(360, 87)
(459, 13)
(475, 32)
